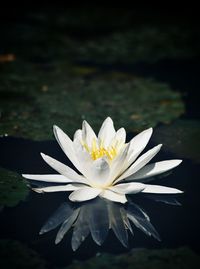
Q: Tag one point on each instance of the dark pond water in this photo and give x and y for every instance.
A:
(176, 225)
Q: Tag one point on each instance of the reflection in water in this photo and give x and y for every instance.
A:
(98, 216)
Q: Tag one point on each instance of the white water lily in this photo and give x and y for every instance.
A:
(109, 167)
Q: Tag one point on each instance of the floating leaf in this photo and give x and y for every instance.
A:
(143, 258)
(12, 188)
(14, 254)
(135, 104)
(180, 138)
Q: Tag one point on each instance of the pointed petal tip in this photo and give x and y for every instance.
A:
(43, 155)
(57, 241)
(27, 176)
(57, 131)
(37, 190)
(161, 189)
(108, 119)
(180, 191)
(74, 248)
(159, 146)
(176, 162)
(55, 128)
(84, 123)
(150, 130)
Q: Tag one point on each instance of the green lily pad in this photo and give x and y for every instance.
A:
(14, 254)
(181, 258)
(181, 137)
(12, 188)
(31, 103)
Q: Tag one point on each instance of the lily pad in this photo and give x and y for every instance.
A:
(14, 254)
(181, 258)
(181, 138)
(12, 188)
(32, 103)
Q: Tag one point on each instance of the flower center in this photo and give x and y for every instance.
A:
(98, 150)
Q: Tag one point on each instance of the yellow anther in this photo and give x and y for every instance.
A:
(97, 151)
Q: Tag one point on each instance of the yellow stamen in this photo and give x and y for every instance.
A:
(97, 151)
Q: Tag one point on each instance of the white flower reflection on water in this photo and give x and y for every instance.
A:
(109, 167)
(97, 217)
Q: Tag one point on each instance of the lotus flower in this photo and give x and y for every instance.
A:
(109, 167)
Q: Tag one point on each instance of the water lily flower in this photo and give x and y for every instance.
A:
(109, 167)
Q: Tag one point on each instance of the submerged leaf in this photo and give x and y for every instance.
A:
(181, 138)
(14, 254)
(12, 188)
(183, 258)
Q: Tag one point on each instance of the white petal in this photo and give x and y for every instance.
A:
(139, 142)
(84, 158)
(126, 188)
(141, 161)
(155, 169)
(78, 135)
(100, 171)
(118, 164)
(120, 136)
(106, 132)
(160, 189)
(49, 178)
(63, 169)
(137, 145)
(69, 187)
(88, 134)
(84, 194)
(113, 196)
(67, 146)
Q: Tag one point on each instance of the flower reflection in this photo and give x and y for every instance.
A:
(97, 217)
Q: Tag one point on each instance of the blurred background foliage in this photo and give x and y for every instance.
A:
(60, 66)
